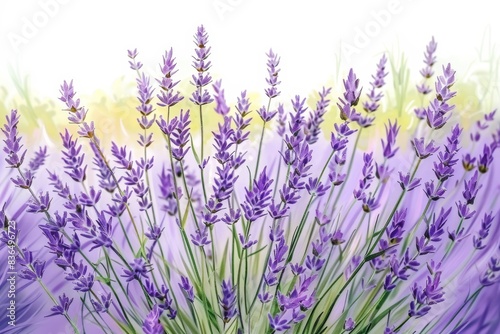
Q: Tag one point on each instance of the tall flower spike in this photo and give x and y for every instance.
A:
(312, 126)
(13, 147)
(145, 108)
(391, 133)
(483, 232)
(351, 98)
(351, 85)
(273, 62)
(134, 65)
(201, 64)
(63, 306)
(221, 106)
(77, 113)
(152, 323)
(378, 82)
(429, 61)
(228, 301)
(167, 96)
(423, 151)
(437, 112)
(257, 199)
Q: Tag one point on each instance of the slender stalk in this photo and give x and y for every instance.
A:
(260, 142)
(351, 162)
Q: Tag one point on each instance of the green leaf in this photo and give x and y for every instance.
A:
(382, 315)
(105, 280)
(196, 157)
(377, 254)
(257, 251)
(185, 217)
(223, 260)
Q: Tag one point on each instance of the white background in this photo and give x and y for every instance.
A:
(54, 40)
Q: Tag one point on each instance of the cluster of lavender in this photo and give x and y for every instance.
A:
(303, 232)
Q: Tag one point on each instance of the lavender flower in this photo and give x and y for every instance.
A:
(103, 303)
(138, 269)
(377, 83)
(292, 243)
(427, 72)
(273, 71)
(349, 324)
(257, 199)
(63, 306)
(439, 108)
(201, 64)
(316, 118)
(228, 301)
(422, 150)
(12, 142)
(483, 232)
(168, 96)
(152, 324)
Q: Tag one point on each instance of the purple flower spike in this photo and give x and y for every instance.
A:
(220, 101)
(429, 59)
(180, 135)
(138, 269)
(38, 160)
(63, 306)
(312, 126)
(257, 199)
(492, 274)
(485, 159)
(228, 301)
(102, 304)
(201, 64)
(266, 115)
(134, 65)
(423, 151)
(389, 330)
(425, 297)
(471, 189)
(437, 111)
(13, 147)
(483, 232)
(246, 242)
(378, 82)
(279, 322)
(167, 96)
(351, 94)
(391, 132)
(188, 288)
(349, 324)
(40, 204)
(427, 72)
(273, 62)
(432, 192)
(145, 95)
(404, 182)
(152, 323)
(201, 238)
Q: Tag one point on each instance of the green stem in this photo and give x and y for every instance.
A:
(65, 314)
(260, 142)
(351, 162)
